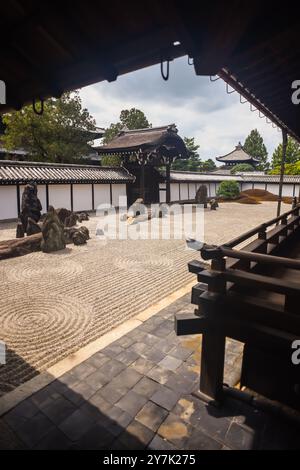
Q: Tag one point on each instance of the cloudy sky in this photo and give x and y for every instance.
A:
(198, 107)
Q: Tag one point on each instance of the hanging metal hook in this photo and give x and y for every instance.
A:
(268, 120)
(213, 79)
(252, 109)
(228, 91)
(261, 115)
(40, 111)
(241, 101)
(164, 75)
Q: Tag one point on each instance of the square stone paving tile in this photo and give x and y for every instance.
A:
(77, 424)
(83, 370)
(113, 350)
(135, 437)
(132, 402)
(97, 360)
(175, 430)
(142, 365)
(127, 378)
(127, 357)
(79, 393)
(151, 416)
(111, 368)
(170, 363)
(54, 440)
(159, 374)
(96, 380)
(97, 438)
(59, 409)
(113, 392)
(158, 443)
(34, 429)
(116, 420)
(241, 438)
(206, 418)
(165, 397)
(18, 415)
(146, 387)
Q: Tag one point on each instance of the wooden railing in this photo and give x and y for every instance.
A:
(229, 303)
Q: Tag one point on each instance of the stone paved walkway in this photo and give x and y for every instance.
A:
(137, 393)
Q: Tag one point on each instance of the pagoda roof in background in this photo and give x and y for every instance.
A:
(152, 139)
(238, 155)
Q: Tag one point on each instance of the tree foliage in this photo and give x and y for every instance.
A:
(58, 135)
(254, 146)
(193, 162)
(292, 153)
(290, 169)
(111, 160)
(129, 118)
(241, 167)
(228, 189)
(208, 165)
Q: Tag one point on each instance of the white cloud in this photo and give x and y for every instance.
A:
(199, 108)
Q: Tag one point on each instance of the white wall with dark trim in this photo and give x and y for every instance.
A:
(83, 197)
(187, 191)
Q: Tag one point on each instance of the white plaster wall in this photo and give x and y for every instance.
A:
(184, 195)
(246, 186)
(174, 192)
(8, 202)
(162, 194)
(259, 186)
(60, 195)
(288, 190)
(273, 188)
(118, 190)
(212, 190)
(41, 188)
(192, 190)
(82, 197)
(101, 194)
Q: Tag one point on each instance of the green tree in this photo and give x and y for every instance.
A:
(193, 162)
(111, 160)
(241, 167)
(129, 118)
(290, 169)
(208, 165)
(228, 189)
(254, 146)
(60, 134)
(292, 153)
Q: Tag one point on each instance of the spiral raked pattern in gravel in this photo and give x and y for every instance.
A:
(144, 263)
(47, 272)
(39, 330)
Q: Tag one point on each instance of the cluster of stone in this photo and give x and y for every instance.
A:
(53, 232)
(57, 227)
(30, 212)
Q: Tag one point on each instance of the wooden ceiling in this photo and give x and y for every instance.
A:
(50, 47)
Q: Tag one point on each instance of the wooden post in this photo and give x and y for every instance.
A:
(18, 200)
(213, 346)
(284, 144)
(212, 363)
(142, 182)
(168, 171)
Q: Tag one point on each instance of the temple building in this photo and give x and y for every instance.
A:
(237, 156)
(142, 152)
